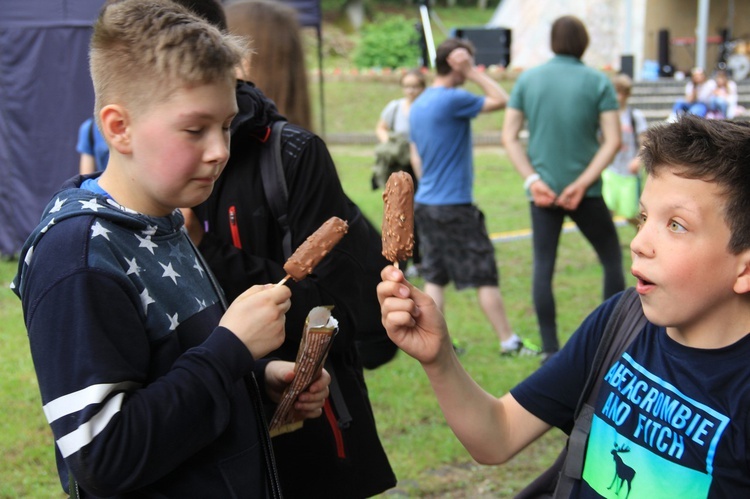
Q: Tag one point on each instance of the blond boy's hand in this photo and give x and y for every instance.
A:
(411, 318)
(309, 404)
(257, 318)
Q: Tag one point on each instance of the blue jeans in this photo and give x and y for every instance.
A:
(696, 108)
(719, 105)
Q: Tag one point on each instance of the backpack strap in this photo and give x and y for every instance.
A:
(625, 323)
(274, 183)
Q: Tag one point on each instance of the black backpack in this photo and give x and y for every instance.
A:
(372, 343)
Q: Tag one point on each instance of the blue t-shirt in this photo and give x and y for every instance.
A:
(671, 421)
(98, 148)
(440, 127)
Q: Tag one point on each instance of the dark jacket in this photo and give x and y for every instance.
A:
(145, 394)
(339, 454)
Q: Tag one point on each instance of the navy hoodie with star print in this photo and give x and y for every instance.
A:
(145, 394)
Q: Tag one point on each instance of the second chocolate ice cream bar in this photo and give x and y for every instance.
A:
(398, 217)
(315, 247)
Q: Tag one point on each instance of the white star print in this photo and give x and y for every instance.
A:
(201, 303)
(173, 322)
(146, 300)
(99, 230)
(27, 259)
(146, 243)
(169, 272)
(46, 227)
(133, 267)
(149, 231)
(90, 204)
(58, 205)
(198, 266)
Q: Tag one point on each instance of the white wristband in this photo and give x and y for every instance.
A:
(530, 180)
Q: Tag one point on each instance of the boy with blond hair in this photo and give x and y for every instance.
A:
(671, 417)
(151, 385)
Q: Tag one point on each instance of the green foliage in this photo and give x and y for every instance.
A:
(390, 42)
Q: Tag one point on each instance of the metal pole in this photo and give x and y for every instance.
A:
(427, 30)
(701, 34)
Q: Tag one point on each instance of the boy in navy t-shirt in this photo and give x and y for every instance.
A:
(671, 417)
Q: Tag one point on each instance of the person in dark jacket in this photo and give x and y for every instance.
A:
(339, 455)
(150, 384)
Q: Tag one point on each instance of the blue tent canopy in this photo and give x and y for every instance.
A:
(45, 94)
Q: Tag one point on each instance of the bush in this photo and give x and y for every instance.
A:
(388, 43)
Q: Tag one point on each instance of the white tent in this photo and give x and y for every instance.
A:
(530, 23)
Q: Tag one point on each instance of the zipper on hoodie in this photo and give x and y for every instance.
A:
(234, 228)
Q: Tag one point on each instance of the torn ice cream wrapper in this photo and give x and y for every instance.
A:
(317, 337)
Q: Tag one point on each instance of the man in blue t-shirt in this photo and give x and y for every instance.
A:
(453, 238)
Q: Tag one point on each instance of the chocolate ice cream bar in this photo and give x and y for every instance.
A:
(315, 247)
(398, 217)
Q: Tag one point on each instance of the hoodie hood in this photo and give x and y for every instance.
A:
(257, 113)
(72, 201)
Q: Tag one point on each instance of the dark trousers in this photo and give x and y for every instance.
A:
(595, 223)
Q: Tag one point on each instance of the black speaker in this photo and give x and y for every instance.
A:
(665, 67)
(492, 45)
(626, 65)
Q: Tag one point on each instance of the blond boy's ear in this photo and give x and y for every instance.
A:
(742, 284)
(116, 127)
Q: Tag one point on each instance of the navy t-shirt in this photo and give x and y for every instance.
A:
(670, 421)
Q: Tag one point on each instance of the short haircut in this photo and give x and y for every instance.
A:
(142, 50)
(569, 36)
(443, 51)
(622, 83)
(716, 151)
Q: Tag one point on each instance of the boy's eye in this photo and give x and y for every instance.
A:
(194, 131)
(641, 219)
(676, 227)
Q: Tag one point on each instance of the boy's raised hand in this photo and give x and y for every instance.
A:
(411, 318)
(257, 318)
(309, 404)
(460, 60)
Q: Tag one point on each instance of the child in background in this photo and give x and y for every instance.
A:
(92, 147)
(151, 385)
(677, 400)
(621, 187)
(723, 101)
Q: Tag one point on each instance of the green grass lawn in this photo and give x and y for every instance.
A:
(427, 458)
